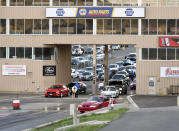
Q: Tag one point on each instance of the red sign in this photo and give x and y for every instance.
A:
(169, 41)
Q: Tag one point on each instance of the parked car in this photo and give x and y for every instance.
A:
(113, 67)
(74, 47)
(77, 52)
(133, 85)
(116, 47)
(89, 69)
(82, 89)
(100, 76)
(120, 78)
(131, 56)
(89, 50)
(100, 57)
(128, 62)
(126, 74)
(110, 91)
(74, 73)
(131, 68)
(120, 63)
(100, 85)
(86, 76)
(83, 61)
(57, 90)
(94, 103)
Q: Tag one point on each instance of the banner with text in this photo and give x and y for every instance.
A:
(13, 69)
(95, 12)
(169, 71)
(168, 41)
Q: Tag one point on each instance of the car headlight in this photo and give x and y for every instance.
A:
(57, 92)
(120, 89)
(93, 106)
(80, 106)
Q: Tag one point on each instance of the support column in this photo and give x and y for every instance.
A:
(94, 90)
(139, 26)
(7, 26)
(106, 78)
(50, 26)
(51, 2)
(7, 2)
(63, 65)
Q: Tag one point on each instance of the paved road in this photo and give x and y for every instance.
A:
(146, 120)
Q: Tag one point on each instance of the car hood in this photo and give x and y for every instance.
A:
(108, 92)
(53, 90)
(89, 103)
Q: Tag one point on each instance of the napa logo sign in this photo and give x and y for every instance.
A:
(60, 12)
(129, 12)
(82, 12)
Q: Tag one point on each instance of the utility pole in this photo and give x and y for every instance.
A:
(94, 91)
(106, 65)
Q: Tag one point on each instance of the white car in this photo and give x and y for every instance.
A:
(74, 73)
(116, 47)
(77, 52)
(113, 67)
(110, 91)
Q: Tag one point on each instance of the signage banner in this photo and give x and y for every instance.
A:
(49, 70)
(95, 12)
(13, 69)
(169, 72)
(169, 41)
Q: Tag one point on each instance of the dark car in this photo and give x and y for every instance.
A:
(120, 63)
(133, 85)
(131, 56)
(83, 87)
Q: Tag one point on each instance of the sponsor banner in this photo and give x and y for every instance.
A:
(95, 12)
(169, 71)
(13, 69)
(49, 70)
(169, 41)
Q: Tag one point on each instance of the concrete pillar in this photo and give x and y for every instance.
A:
(51, 3)
(106, 66)
(7, 2)
(50, 26)
(63, 65)
(7, 26)
(94, 90)
(139, 26)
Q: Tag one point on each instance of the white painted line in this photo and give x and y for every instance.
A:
(132, 102)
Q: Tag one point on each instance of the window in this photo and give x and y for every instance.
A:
(28, 26)
(48, 54)
(116, 26)
(89, 26)
(144, 53)
(37, 26)
(134, 26)
(12, 26)
(56, 26)
(45, 26)
(125, 26)
(56, 2)
(63, 2)
(37, 2)
(63, 26)
(152, 53)
(145, 27)
(81, 26)
(29, 2)
(152, 27)
(38, 53)
(28, 53)
(73, 2)
(20, 2)
(100, 2)
(12, 2)
(108, 2)
(3, 3)
(99, 26)
(72, 26)
(161, 54)
(2, 52)
(107, 26)
(12, 52)
(2, 26)
(177, 26)
(81, 2)
(20, 26)
(20, 52)
(177, 54)
(171, 27)
(45, 2)
(170, 54)
(89, 2)
(162, 27)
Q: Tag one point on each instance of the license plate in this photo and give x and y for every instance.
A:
(51, 94)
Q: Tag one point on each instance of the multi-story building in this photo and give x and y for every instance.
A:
(36, 36)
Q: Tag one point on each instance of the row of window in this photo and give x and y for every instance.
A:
(154, 3)
(36, 53)
(85, 26)
(160, 26)
(160, 53)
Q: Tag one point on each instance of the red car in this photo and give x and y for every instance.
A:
(94, 103)
(133, 85)
(57, 90)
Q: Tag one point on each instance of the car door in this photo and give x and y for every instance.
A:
(105, 101)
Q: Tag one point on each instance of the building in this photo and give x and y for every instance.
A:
(36, 38)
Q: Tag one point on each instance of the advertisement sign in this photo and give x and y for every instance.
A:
(169, 41)
(13, 69)
(95, 12)
(49, 70)
(169, 72)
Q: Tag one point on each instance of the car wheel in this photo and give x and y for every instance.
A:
(85, 91)
(82, 111)
(100, 107)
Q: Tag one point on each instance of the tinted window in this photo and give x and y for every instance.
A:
(56, 87)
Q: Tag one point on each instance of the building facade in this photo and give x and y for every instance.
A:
(32, 42)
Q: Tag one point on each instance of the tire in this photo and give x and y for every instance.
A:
(82, 112)
(100, 107)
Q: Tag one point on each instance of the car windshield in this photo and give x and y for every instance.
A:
(112, 66)
(121, 72)
(98, 66)
(89, 68)
(132, 55)
(98, 99)
(86, 73)
(75, 47)
(112, 89)
(56, 87)
(89, 49)
(117, 77)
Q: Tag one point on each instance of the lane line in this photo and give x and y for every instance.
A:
(132, 102)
